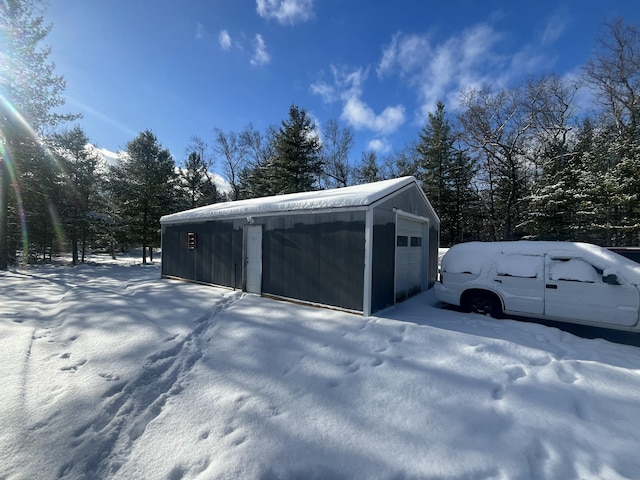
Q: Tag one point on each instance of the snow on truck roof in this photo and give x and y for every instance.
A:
(472, 256)
(346, 197)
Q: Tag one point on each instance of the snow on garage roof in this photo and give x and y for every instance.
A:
(356, 196)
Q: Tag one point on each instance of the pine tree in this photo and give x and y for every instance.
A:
(436, 155)
(297, 163)
(79, 202)
(197, 182)
(436, 164)
(30, 93)
(143, 185)
(368, 170)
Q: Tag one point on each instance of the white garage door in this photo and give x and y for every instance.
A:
(410, 258)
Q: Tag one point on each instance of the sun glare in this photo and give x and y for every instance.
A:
(16, 119)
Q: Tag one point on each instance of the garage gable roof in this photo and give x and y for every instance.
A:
(347, 197)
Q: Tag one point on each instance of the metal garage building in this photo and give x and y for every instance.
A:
(359, 248)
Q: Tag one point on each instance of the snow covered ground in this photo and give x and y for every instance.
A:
(107, 371)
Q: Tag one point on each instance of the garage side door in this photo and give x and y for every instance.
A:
(410, 257)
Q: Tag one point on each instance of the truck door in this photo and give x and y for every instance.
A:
(575, 290)
(521, 280)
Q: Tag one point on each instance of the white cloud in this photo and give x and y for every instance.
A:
(406, 52)
(326, 91)
(477, 57)
(360, 116)
(224, 39)
(286, 12)
(555, 28)
(260, 55)
(348, 89)
(441, 71)
(201, 32)
(379, 145)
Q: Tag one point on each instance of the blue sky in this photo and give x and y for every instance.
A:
(185, 68)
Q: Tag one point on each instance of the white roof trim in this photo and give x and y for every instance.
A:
(352, 198)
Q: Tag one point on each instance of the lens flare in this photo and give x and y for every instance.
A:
(16, 121)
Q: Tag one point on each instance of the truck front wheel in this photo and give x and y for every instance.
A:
(482, 302)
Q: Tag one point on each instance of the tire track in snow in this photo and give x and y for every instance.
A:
(101, 446)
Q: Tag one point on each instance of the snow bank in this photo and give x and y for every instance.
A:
(110, 372)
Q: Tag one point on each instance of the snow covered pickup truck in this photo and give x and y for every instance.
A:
(565, 281)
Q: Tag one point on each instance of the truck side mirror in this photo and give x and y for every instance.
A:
(611, 279)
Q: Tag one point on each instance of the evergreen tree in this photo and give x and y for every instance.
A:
(436, 155)
(368, 171)
(297, 163)
(552, 202)
(436, 170)
(30, 93)
(614, 74)
(402, 163)
(143, 186)
(197, 182)
(79, 201)
(625, 183)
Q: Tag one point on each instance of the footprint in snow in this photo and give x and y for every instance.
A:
(541, 361)
(376, 362)
(177, 473)
(564, 374)
(516, 372)
(109, 377)
(73, 368)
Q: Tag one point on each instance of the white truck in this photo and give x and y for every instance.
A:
(565, 281)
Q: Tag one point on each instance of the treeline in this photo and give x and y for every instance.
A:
(532, 161)
(550, 159)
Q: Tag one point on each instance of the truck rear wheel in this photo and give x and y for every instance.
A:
(482, 302)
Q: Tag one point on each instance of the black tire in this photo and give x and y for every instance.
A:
(483, 303)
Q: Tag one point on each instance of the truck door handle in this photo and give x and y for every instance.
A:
(553, 287)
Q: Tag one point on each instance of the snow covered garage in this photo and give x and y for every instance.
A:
(358, 248)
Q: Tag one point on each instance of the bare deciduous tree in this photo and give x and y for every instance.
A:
(614, 73)
(336, 144)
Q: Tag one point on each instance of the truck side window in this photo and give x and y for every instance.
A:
(573, 270)
(520, 266)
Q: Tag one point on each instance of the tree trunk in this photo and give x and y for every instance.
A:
(74, 251)
(4, 222)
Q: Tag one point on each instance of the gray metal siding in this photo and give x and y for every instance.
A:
(383, 265)
(411, 201)
(316, 258)
(217, 258)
